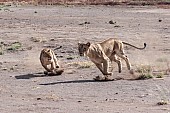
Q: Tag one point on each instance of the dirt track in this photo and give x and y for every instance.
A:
(23, 87)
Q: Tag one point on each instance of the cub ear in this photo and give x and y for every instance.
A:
(78, 43)
(49, 50)
(88, 44)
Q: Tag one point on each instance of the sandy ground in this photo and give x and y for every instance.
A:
(24, 88)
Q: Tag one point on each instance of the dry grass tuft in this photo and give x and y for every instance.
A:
(14, 46)
(144, 72)
(10, 47)
(144, 77)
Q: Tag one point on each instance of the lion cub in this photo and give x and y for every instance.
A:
(48, 59)
(101, 53)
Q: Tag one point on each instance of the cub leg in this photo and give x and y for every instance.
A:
(56, 63)
(55, 60)
(47, 69)
(53, 66)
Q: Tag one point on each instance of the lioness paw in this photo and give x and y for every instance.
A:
(103, 78)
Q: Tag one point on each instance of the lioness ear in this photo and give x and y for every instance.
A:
(88, 44)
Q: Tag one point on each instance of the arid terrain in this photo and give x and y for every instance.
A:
(26, 30)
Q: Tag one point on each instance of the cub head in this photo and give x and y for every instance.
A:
(83, 48)
(47, 53)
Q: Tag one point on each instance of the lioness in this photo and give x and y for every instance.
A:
(101, 53)
(47, 57)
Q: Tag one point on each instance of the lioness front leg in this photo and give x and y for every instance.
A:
(106, 67)
(100, 67)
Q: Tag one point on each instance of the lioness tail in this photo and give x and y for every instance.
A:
(135, 46)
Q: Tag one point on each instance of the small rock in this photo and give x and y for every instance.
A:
(160, 20)
(29, 48)
(39, 98)
(52, 39)
(84, 23)
(12, 68)
(117, 26)
(111, 22)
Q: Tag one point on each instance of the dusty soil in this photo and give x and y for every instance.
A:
(24, 87)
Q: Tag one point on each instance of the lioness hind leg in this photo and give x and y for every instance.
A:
(123, 56)
(117, 60)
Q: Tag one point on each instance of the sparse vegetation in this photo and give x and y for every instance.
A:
(144, 69)
(144, 76)
(14, 46)
(146, 72)
(9, 47)
(5, 8)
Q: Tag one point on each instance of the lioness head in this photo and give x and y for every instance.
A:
(83, 48)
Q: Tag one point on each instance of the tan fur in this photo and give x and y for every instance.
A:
(47, 57)
(101, 53)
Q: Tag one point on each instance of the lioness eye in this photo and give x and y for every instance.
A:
(84, 49)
